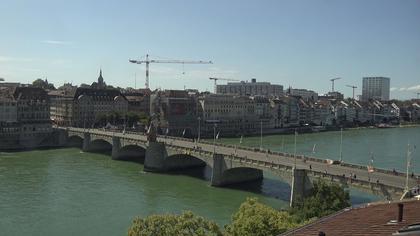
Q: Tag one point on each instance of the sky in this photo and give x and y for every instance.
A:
(297, 43)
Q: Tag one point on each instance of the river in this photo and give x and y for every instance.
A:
(68, 192)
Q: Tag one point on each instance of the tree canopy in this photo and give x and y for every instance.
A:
(39, 83)
(325, 198)
(186, 224)
(251, 219)
(256, 219)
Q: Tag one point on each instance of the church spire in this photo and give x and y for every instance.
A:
(100, 78)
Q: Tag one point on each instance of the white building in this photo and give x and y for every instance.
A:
(376, 88)
(307, 95)
(250, 89)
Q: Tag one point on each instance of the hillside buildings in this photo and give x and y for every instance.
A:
(377, 88)
(250, 89)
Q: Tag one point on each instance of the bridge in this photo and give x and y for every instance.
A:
(233, 164)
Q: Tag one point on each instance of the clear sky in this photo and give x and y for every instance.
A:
(295, 43)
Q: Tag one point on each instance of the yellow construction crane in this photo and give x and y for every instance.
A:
(147, 61)
(353, 87)
(216, 79)
(332, 80)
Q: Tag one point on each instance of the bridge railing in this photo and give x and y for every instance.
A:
(277, 153)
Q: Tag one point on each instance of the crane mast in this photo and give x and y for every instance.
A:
(216, 79)
(332, 81)
(147, 61)
(353, 87)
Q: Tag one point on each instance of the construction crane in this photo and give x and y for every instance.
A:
(353, 87)
(147, 61)
(332, 80)
(216, 79)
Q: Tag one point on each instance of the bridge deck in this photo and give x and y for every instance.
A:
(315, 166)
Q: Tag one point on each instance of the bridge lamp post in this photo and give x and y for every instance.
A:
(408, 166)
(199, 129)
(341, 145)
(214, 138)
(261, 134)
(294, 155)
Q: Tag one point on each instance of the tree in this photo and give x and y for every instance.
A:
(39, 83)
(186, 224)
(324, 199)
(254, 218)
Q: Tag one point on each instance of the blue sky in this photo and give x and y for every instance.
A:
(294, 43)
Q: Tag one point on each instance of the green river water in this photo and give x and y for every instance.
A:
(68, 192)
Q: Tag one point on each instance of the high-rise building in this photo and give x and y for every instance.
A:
(250, 89)
(375, 88)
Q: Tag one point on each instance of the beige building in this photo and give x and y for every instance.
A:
(231, 114)
(251, 89)
(82, 107)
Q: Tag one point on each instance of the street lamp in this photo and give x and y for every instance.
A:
(295, 149)
(199, 127)
(408, 166)
(341, 146)
(261, 135)
(214, 139)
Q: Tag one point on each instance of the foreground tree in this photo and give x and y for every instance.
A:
(256, 219)
(325, 198)
(186, 224)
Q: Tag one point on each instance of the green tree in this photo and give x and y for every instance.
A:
(325, 198)
(39, 83)
(256, 219)
(186, 224)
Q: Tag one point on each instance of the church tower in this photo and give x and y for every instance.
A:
(100, 79)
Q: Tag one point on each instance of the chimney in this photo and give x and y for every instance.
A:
(400, 212)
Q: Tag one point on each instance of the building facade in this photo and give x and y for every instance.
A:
(307, 95)
(85, 107)
(230, 114)
(376, 88)
(24, 117)
(174, 112)
(250, 89)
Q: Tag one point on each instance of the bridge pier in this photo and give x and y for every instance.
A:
(224, 174)
(155, 157)
(116, 146)
(158, 159)
(62, 137)
(301, 186)
(86, 142)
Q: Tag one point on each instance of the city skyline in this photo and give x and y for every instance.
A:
(300, 44)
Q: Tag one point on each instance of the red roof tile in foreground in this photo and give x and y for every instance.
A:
(370, 219)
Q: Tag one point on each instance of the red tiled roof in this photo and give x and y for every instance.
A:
(370, 219)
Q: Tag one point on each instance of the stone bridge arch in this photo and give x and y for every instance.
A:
(130, 152)
(98, 145)
(75, 141)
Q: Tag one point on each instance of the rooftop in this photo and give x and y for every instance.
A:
(370, 219)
